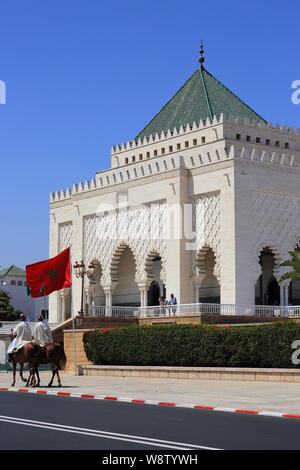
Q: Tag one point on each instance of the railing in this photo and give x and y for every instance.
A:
(115, 311)
(195, 309)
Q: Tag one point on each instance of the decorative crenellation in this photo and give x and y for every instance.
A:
(202, 124)
(167, 134)
(143, 169)
(171, 161)
(159, 165)
(262, 125)
(126, 174)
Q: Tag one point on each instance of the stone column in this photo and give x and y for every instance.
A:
(197, 280)
(178, 257)
(286, 295)
(88, 299)
(108, 297)
(197, 293)
(227, 238)
(108, 291)
(282, 299)
(143, 287)
(238, 267)
(146, 297)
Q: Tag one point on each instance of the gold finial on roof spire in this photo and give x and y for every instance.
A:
(201, 60)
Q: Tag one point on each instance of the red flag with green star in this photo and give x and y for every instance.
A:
(48, 276)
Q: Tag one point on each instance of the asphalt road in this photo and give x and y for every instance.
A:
(36, 422)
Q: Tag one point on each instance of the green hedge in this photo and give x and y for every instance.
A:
(194, 345)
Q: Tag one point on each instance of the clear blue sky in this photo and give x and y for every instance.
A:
(84, 75)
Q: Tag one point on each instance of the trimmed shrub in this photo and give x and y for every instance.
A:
(194, 345)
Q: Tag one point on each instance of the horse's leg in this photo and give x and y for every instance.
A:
(58, 377)
(14, 364)
(31, 373)
(21, 371)
(38, 377)
(33, 380)
(53, 374)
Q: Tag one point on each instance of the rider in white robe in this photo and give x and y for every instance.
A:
(22, 335)
(42, 333)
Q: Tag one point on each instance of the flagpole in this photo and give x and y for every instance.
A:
(27, 307)
(45, 299)
(73, 321)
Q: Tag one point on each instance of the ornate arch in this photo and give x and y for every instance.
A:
(200, 270)
(114, 263)
(93, 279)
(99, 244)
(150, 256)
(277, 270)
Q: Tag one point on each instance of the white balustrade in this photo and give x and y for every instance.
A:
(196, 309)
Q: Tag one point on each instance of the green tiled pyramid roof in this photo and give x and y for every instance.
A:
(13, 271)
(201, 97)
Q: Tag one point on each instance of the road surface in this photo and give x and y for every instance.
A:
(37, 422)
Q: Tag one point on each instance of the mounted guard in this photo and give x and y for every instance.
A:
(42, 332)
(22, 335)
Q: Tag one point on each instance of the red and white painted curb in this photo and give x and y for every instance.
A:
(149, 402)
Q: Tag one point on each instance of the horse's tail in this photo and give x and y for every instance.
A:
(63, 360)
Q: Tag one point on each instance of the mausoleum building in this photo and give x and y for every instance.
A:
(204, 203)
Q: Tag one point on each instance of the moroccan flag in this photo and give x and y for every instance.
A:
(48, 276)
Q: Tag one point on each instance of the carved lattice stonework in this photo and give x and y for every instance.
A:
(276, 225)
(141, 228)
(206, 226)
(65, 236)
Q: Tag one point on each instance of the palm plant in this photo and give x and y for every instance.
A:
(292, 263)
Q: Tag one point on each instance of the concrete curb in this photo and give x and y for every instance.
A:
(193, 373)
(149, 402)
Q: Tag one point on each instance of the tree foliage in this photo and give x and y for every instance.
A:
(293, 263)
(7, 311)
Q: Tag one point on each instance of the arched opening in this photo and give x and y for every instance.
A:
(127, 292)
(154, 294)
(156, 289)
(294, 288)
(267, 290)
(209, 288)
(273, 292)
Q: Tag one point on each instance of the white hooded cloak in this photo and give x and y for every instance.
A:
(42, 334)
